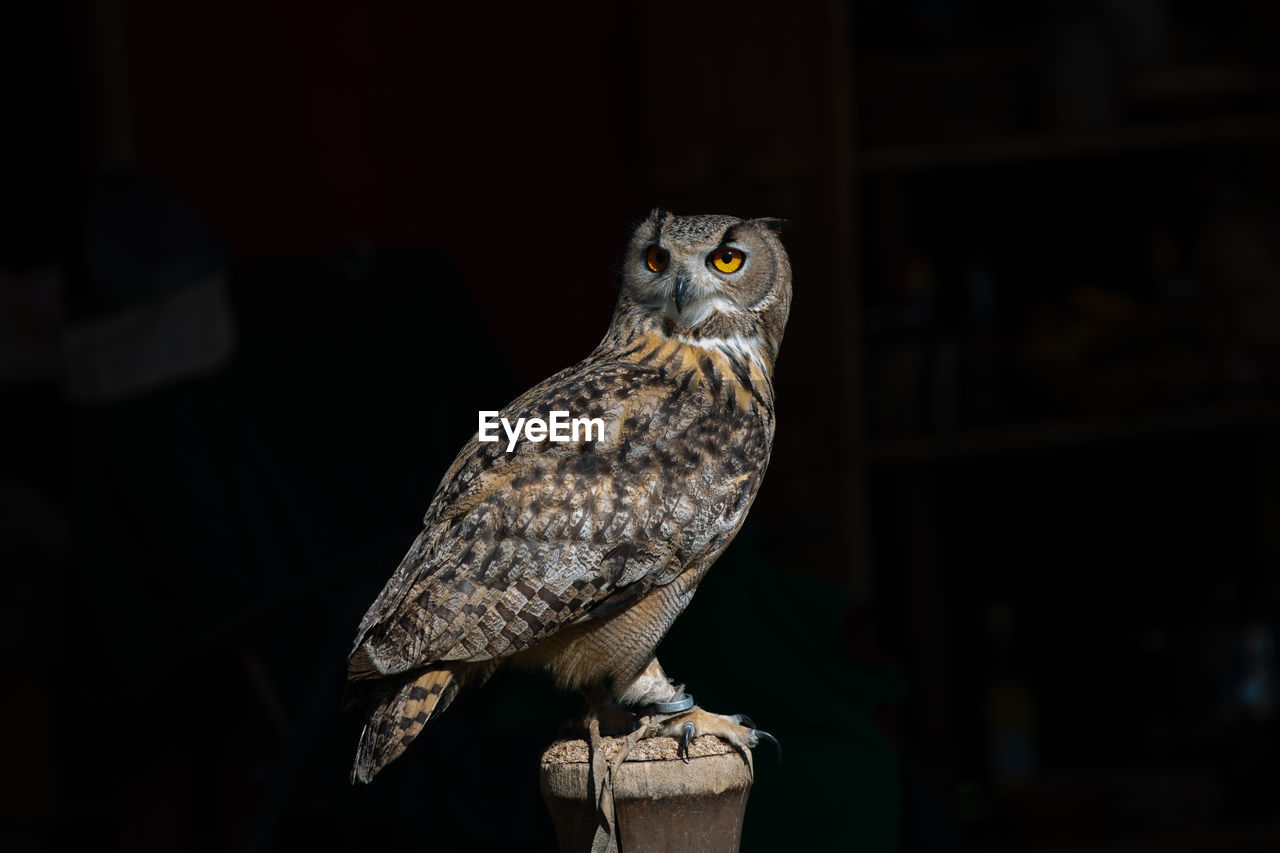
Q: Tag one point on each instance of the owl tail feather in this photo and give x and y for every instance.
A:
(401, 710)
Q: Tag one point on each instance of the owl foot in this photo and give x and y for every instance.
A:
(738, 730)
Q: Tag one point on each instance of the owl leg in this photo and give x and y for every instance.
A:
(652, 687)
(612, 719)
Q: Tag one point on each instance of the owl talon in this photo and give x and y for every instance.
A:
(763, 735)
(683, 750)
(744, 720)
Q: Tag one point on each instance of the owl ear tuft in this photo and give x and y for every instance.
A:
(774, 224)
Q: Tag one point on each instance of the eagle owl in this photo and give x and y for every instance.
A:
(577, 556)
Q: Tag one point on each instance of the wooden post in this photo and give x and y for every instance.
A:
(653, 800)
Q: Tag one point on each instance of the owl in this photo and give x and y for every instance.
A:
(577, 555)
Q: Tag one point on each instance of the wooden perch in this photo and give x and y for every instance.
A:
(650, 800)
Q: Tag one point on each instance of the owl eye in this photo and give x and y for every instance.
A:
(656, 258)
(727, 260)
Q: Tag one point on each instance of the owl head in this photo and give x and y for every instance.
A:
(699, 277)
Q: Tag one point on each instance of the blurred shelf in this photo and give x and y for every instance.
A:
(1072, 432)
(1068, 144)
(1232, 838)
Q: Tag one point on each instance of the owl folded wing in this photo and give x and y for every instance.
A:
(536, 539)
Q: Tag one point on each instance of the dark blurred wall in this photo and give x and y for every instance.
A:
(501, 134)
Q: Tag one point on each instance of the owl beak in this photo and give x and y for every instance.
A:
(681, 292)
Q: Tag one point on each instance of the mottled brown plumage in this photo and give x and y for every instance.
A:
(578, 556)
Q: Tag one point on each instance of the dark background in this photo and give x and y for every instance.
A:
(1011, 582)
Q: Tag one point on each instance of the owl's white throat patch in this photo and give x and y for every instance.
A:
(746, 347)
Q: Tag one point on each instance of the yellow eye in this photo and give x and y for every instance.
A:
(656, 258)
(727, 260)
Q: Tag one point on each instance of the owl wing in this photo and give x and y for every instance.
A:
(518, 544)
